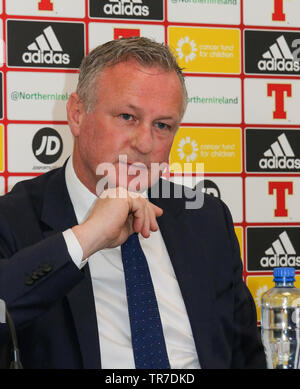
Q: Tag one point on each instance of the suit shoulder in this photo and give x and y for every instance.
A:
(25, 194)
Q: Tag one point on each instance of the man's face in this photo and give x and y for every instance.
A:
(137, 114)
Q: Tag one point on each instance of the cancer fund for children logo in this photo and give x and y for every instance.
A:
(219, 149)
(206, 50)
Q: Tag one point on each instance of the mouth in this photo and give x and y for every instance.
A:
(134, 165)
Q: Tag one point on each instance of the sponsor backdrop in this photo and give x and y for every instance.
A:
(241, 59)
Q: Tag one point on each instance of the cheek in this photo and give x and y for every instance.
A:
(162, 149)
(108, 145)
(92, 146)
(93, 136)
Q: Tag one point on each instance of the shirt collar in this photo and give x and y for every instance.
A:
(82, 199)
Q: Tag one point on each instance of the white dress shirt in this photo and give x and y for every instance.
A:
(109, 289)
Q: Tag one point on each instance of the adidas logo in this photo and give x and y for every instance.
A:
(281, 253)
(126, 8)
(280, 58)
(46, 49)
(280, 155)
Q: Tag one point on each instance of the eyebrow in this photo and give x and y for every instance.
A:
(166, 118)
(131, 106)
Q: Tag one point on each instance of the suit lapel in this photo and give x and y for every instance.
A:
(189, 259)
(58, 215)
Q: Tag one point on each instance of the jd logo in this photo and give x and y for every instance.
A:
(209, 187)
(47, 145)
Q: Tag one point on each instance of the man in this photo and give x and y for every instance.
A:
(63, 239)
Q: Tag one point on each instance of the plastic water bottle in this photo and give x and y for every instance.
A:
(280, 321)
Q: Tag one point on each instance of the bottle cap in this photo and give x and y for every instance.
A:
(284, 274)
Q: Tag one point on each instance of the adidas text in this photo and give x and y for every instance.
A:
(281, 65)
(280, 260)
(49, 58)
(279, 163)
(128, 9)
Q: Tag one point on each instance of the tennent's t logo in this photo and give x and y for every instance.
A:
(279, 92)
(278, 15)
(280, 190)
(45, 5)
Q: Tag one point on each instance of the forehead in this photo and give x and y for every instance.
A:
(131, 77)
(131, 66)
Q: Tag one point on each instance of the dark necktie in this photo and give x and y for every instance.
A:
(147, 337)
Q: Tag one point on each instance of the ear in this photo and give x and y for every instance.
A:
(75, 113)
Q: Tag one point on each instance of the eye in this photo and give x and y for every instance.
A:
(163, 126)
(126, 116)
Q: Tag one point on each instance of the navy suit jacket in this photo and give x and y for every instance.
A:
(51, 301)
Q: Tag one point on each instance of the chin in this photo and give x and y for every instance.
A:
(136, 184)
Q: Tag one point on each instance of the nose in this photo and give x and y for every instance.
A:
(142, 139)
